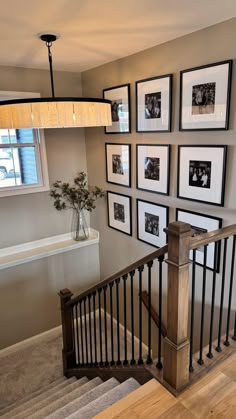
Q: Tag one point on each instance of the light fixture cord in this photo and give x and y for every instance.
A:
(49, 44)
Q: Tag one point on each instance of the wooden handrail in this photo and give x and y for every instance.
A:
(212, 236)
(119, 274)
(154, 314)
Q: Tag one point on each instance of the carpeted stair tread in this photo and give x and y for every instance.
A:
(22, 407)
(31, 395)
(63, 401)
(49, 399)
(84, 400)
(106, 400)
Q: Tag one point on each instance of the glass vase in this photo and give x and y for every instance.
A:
(79, 226)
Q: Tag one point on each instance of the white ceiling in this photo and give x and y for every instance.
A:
(94, 32)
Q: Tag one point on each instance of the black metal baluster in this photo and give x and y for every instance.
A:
(81, 332)
(73, 327)
(234, 336)
(74, 332)
(90, 330)
(77, 332)
(140, 270)
(218, 348)
(132, 362)
(216, 255)
(100, 325)
(149, 358)
(112, 337)
(105, 324)
(118, 321)
(85, 331)
(159, 363)
(125, 362)
(95, 330)
(226, 343)
(200, 361)
(191, 369)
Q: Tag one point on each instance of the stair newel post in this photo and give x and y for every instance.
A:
(176, 343)
(68, 351)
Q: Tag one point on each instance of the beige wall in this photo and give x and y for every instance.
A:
(28, 293)
(206, 46)
(29, 303)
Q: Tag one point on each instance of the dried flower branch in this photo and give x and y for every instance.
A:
(75, 196)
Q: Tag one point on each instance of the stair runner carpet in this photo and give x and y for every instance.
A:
(70, 398)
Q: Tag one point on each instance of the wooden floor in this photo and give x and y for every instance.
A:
(214, 396)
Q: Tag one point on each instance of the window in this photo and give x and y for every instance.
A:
(23, 167)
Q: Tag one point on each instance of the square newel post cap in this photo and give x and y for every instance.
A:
(65, 294)
(179, 228)
(179, 235)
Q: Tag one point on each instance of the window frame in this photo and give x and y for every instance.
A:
(40, 154)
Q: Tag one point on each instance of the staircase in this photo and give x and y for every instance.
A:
(110, 348)
(70, 398)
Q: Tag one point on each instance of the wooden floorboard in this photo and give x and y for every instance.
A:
(203, 397)
(213, 396)
(132, 398)
(200, 371)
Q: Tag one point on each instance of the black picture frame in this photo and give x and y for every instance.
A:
(196, 220)
(121, 112)
(151, 224)
(150, 90)
(156, 153)
(203, 160)
(118, 164)
(201, 98)
(122, 219)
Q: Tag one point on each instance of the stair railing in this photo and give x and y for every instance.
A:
(180, 362)
(101, 324)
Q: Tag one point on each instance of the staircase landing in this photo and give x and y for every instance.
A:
(212, 397)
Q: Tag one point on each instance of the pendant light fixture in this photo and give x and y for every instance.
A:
(54, 112)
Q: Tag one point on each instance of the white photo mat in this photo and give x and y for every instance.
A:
(118, 163)
(147, 209)
(160, 85)
(202, 222)
(119, 202)
(215, 155)
(121, 96)
(156, 152)
(218, 74)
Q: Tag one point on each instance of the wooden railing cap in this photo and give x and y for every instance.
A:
(116, 277)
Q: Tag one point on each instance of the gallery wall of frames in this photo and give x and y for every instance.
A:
(204, 105)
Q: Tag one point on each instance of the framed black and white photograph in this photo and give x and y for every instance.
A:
(205, 97)
(119, 212)
(120, 109)
(153, 168)
(151, 221)
(201, 173)
(118, 164)
(153, 104)
(202, 223)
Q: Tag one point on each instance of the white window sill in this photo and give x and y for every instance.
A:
(39, 249)
(24, 190)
